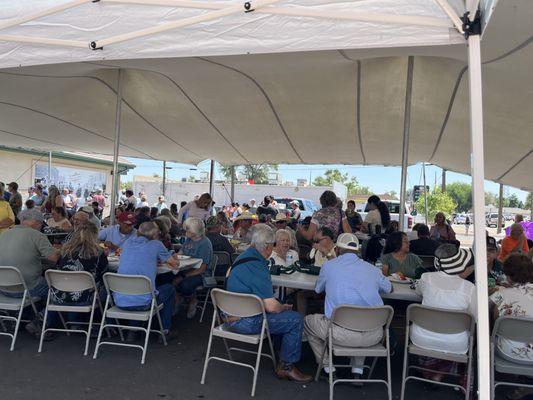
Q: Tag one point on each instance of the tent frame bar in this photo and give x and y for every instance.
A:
(298, 11)
(406, 128)
(451, 14)
(478, 194)
(41, 40)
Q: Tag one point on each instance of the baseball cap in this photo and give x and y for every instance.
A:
(347, 241)
(126, 218)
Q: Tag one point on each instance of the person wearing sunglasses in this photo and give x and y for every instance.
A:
(323, 246)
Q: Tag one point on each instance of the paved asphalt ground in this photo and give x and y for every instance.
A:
(173, 372)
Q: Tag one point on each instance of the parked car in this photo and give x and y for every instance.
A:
(394, 210)
(307, 207)
(460, 219)
(491, 220)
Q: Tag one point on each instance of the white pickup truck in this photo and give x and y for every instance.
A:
(394, 210)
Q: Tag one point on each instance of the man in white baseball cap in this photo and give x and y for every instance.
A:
(346, 279)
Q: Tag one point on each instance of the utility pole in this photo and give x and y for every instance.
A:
(443, 188)
(164, 186)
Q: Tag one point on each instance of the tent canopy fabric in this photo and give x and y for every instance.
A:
(259, 87)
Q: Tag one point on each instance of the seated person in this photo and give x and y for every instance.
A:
(23, 247)
(397, 258)
(253, 277)
(442, 231)
(447, 290)
(346, 279)
(424, 245)
(242, 226)
(164, 225)
(115, 236)
(516, 242)
(282, 222)
(92, 218)
(142, 216)
(197, 246)
(517, 301)
(140, 256)
(59, 219)
(354, 218)
(77, 219)
(283, 254)
(394, 226)
(214, 234)
(496, 276)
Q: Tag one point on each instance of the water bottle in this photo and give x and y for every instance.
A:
(290, 260)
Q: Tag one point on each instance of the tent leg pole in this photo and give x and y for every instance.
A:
(500, 209)
(212, 178)
(116, 180)
(477, 165)
(49, 169)
(406, 127)
(164, 184)
(425, 193)
(232, 187)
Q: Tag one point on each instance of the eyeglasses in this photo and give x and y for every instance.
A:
(319, 239)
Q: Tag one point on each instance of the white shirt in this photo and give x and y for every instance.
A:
(449, 292)
(287, 261)
(373, 218)
(192, 210)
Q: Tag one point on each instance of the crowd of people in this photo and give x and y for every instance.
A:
(346, 247)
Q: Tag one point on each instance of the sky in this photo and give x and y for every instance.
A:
(378, 178)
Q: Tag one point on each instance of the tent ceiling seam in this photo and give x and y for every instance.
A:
(41, 140)
(515, 164)
(267, 98)
(115, 92)
(522, 45)
(74, 125)
(195, 105)
(357, 102)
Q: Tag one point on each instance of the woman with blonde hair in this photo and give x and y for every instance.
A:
(200, 208)
(82, 253)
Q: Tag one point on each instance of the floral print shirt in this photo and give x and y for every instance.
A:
(330, 217)
(516, 301)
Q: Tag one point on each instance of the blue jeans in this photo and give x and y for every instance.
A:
(288, 324)
(40, 290)
(189, 284)
(167, 297)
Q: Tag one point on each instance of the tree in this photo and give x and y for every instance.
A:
(513, 201)
(191, 179)
(156, 175)
(126, 185)
(334, 175)
(256, 172)
(527, 204)
(461, 193)
(437, 202)
(492, 199)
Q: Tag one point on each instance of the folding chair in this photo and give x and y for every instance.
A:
(234, 257)
(518, 329)
(237, 305)
(131, 285)
(223, 260)
(70, 281)
(444, 322)
(11, 280)
(359, 319)
(208, 283)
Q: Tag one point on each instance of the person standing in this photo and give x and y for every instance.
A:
(347, 280)
(38, 196)
(200, 208)
(161, 204)
(15, 200)
(467, 224)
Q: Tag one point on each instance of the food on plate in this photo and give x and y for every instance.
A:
(400, 276)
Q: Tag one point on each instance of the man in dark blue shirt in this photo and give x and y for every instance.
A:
(253, 277)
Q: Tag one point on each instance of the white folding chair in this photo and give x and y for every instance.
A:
(519, 329)
(70, 281)
(11, 280)
(358, 319)
(241, 306)
(130, 285)
(439, 321)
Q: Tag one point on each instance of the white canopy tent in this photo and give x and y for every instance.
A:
(286, 81)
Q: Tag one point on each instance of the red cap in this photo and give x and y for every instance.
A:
(126, 218)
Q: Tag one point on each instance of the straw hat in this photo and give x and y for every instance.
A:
(281, 217)
(244, 216)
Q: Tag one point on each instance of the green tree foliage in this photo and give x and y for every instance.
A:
(513, 201)
(257, 172)
(334, 175)
(437, 202)
(527, 204)
(461, 193)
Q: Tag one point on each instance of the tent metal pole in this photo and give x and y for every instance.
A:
(531, 205)
(406, 127)
(500, 209)
(480, 245)
(425, 193)
(212, 178)
(232, 187)
(41, 40)
(116, 148)
(49, 169)
(164, 184)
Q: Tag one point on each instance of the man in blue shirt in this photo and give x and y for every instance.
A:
(115, 236)
(253, 277)
(347, 280)
(140, 256)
